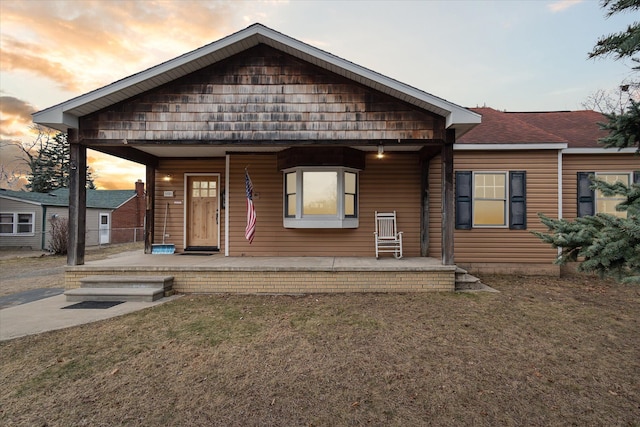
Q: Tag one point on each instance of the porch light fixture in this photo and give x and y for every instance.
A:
(380, 151)
(167, 177)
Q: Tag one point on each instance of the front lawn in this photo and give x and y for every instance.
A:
(541, 352)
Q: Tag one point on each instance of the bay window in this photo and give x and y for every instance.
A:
(320, 197)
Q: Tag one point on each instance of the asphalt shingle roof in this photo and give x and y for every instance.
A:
(105, 199)
(577, 129)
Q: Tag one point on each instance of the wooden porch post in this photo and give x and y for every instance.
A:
(448, 215)
(150, 210)
(77, 199)
(424, 207)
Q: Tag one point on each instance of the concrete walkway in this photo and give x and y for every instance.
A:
(28, 296)
(47, 314)
(40, 310)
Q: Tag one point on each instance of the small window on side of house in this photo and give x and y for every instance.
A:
(290, 192)
(16, 223)
(6, 223)
(607, 204)
(490, 199)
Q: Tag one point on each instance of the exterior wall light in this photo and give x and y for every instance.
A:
(380, 151)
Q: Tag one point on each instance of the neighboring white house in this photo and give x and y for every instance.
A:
(25, 217)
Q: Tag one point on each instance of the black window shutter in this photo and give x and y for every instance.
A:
(518, 200)
(586, 196)
(636, 177)
(464, 193)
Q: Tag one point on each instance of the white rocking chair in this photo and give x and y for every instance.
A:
(388, 238)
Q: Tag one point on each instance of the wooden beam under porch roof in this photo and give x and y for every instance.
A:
(77, 199)
(448, 214)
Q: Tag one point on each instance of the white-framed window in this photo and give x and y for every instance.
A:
(487, 199)
(607, 204)
(12, 223)
(320, 197)
(490, 199)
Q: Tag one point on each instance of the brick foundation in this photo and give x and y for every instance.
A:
(283, 281)
(479, 269)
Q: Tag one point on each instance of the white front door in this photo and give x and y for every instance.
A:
(105, 228)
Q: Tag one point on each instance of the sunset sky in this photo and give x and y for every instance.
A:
(509, 55)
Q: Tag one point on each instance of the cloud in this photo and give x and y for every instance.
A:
(13, 167)
(81, 45)
(15, 117)
(562, 5)
(22, 56)
(112, 173)
(16, 107)
(10, 154)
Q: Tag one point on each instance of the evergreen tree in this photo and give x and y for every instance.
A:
(624, 129)
(603, 243)
(50, 168)
(623, 44)
(48, 161)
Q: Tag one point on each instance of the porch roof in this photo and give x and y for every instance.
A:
(65, 115)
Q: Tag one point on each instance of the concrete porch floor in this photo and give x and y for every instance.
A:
(217, 273)
(219, 261)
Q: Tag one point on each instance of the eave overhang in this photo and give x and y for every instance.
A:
(65, 115)
(510, 147)
(17, 199)
(600, 150)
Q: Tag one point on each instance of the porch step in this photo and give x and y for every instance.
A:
(467, 282)
(163, 282)
(114, 294)
(121, 288)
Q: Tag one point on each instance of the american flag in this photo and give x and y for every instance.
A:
(250, 230)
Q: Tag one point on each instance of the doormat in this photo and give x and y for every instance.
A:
(196, 253)
(94, 304)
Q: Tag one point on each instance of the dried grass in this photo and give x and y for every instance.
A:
(542, 352)
(23, 273)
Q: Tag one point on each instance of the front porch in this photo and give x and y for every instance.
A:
(275, 275)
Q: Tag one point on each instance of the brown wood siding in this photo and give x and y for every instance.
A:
(392, 184)
(574, 163)
(501, 245)
(260, 95)
(388, 184)
(177, 168)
